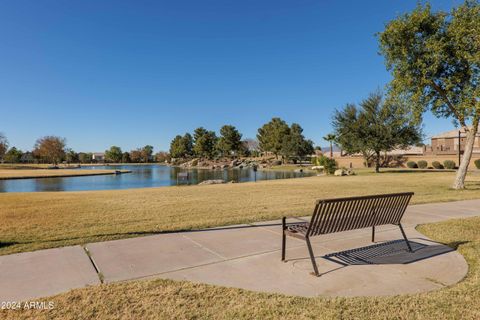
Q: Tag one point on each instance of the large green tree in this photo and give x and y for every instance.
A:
(204, 143)
(295, 145)
(434, 58)
(375, 127)
(114, 154)
(230, 141)
(271, 136)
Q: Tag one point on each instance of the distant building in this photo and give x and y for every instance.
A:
(447, 143)
(98, 156)
(409, 151)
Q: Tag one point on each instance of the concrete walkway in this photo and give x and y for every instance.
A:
(248, 256)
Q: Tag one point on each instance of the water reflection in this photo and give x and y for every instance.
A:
(141, 177)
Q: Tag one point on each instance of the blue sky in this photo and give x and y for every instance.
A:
(131, 73)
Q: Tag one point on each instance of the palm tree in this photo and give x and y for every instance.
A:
(330, 138)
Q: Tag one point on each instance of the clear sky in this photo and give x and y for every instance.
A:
(131, 73)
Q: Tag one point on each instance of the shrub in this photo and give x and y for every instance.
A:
(329, 164)
(412, 164)
(449, 164)
(437, 165)
(422, 164)
(477, 163)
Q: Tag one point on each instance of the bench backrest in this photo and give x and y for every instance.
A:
(342, 214)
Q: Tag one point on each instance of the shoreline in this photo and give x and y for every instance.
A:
(60, 174)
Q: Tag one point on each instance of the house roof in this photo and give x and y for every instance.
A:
(452, 134)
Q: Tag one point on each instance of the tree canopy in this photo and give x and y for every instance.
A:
(272, 134)
(146, 153)
(434, 58)
(13, 155)
(230, 141)
(204, 143)
(280, 139)
(50, 149)
(295, 145)
(374, 127)
(114, 154)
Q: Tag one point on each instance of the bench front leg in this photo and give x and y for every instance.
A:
(312, 256)
(405, 237)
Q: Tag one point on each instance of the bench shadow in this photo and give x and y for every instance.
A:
(391, 252)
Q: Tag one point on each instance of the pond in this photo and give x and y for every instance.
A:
(142, 176)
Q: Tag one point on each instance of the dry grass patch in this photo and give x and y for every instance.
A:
(166, 299)
(32, 221)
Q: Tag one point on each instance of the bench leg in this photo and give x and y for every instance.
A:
(405, 237)
(312, 257)
(284, 238)
(373, 234)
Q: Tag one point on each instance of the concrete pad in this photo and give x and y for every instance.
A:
(423, 270)
(43, 273)
(142, 257)
(237, 242)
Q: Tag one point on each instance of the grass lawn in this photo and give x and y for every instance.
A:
(32, 221)
(166, 299)
(48, 173)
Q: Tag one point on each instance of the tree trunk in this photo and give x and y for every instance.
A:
(459, 182)
(377, 162)
(331, 149)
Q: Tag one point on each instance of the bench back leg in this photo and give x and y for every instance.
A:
(405, 237)
(312, 257)
(284, 237)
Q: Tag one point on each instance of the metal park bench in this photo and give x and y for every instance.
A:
(343, 214)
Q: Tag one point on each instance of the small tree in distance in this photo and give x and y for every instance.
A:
(13, 155)
(50, 149)
(230, 141)
(271, 136)
(330, 138)
(375, 127)
(205, 142)
(294, 145)
(114, 154)
(3, 145)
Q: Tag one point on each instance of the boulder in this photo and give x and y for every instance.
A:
(340, 172)
(234, 163)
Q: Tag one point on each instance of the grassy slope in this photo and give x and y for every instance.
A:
(32, 221)
(165, 299)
